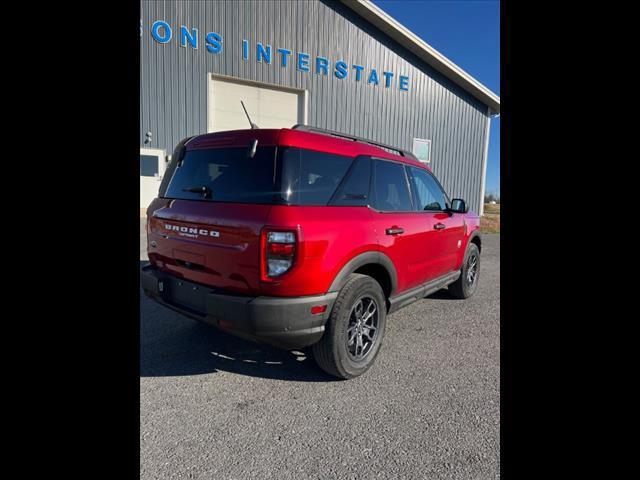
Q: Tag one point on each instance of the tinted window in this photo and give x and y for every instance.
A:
(227, 175)
(392, 193)
(148, 165)
(355, 190)
(428, 192)
(311, 178)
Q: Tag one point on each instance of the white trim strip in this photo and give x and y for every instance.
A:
(485, 158)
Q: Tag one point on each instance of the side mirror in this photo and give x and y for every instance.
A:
(458, 205)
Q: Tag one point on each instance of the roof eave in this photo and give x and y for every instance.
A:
(424, 51)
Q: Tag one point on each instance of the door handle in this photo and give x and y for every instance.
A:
(439, 226)
(394, 231)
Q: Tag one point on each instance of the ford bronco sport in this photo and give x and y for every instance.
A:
(304, 237)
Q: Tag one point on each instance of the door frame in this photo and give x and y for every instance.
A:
(303, 110)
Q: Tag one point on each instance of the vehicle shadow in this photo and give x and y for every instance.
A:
(174, 345)
(441, 294)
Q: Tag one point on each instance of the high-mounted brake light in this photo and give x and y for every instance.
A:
(279, 252)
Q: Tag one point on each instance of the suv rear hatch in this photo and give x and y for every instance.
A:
(218, 199)
(209, 232)
(206, 243)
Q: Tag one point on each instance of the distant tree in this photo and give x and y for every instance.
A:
(491, 197)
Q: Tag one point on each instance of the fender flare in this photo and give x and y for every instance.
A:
(474, 234)
(358, 261)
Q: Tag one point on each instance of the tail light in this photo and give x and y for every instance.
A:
(278, 253)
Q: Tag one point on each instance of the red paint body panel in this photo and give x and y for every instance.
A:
(327, 236)
(231, 261)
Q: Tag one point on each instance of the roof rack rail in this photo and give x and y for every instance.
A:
(308, 128)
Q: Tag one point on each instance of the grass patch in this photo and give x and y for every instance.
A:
(490, 221)
(492, 208)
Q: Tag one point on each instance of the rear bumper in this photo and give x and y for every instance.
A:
(284, 322)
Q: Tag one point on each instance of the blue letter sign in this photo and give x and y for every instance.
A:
(156, 34)
(214, 42)
(161, 32)
(303, 62)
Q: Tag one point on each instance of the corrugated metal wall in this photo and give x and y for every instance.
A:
(173, 80)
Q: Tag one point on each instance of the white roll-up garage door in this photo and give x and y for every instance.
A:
(269, 107)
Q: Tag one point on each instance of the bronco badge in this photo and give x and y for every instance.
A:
(192, 232)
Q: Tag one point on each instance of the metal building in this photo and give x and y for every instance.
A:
(342, 65)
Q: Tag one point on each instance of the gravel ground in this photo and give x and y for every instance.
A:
(216, 407)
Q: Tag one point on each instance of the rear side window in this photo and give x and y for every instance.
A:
(391, 190)
(354, 192)
(226, 175)
(429, 195)
(309, 177)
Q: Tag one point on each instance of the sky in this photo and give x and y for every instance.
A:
(467, 32)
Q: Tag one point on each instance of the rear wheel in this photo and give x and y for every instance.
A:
(466, 284)
(354, 331)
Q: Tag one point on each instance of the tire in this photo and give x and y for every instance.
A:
(463, 287)
(333, 353)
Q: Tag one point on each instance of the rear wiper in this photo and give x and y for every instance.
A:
(204, 190)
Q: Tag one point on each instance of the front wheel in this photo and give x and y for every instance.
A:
(354, 331)
(467, 282)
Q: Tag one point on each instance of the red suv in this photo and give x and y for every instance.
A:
(304, 237)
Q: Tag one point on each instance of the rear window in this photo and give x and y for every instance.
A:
(286, 176)
(226, 175)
